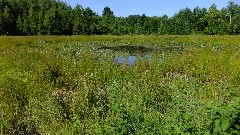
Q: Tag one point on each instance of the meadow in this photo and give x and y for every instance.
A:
(73, 85)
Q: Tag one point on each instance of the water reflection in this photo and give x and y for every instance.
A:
(139, 53)
(131, 59)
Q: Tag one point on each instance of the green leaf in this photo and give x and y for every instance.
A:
(224, 124)
(217, 127)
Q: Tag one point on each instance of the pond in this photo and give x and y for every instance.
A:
(139, 53)
(131, 59)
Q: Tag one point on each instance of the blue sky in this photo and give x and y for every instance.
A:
(148, 7)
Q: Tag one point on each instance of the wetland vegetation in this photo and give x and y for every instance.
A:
(71, 85)
(134, 83)
(56, 17)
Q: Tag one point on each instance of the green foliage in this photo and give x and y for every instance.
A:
(59, 85)
(78, 20)
(108, 21)
(54, 17)
(7, 21)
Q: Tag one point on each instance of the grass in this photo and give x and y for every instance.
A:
(66, 85)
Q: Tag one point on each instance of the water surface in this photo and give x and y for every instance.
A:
(139, 53)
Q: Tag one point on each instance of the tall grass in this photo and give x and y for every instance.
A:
(193, 39)
(65, 85)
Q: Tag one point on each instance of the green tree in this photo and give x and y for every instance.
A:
(64, 19)
(53, 17)
(19, 24)
(40, 19)
(32, 21)
(154, 25)
(7, 21)
(78, 20)
(146, 26)
(131, 22)
(108, 21)
(164, 27)
(199, 20)
(122, 27)
(183, 22)
(119, 29)
(95, 25)
(233, 11)
(50, 21)
(89, 21)
(1, 24)
(213, 18)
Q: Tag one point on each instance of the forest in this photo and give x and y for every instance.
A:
(54, 17)
(130, 75)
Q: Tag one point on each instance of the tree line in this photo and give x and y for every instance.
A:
(54, 17)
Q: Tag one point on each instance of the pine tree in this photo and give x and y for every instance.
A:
(78, 20)
(7, 19)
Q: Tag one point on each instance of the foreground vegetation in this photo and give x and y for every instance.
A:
(66, 85)
(54, 17)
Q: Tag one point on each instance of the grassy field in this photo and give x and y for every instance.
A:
(67, 85)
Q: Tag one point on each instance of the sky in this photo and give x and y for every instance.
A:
(125, 8)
